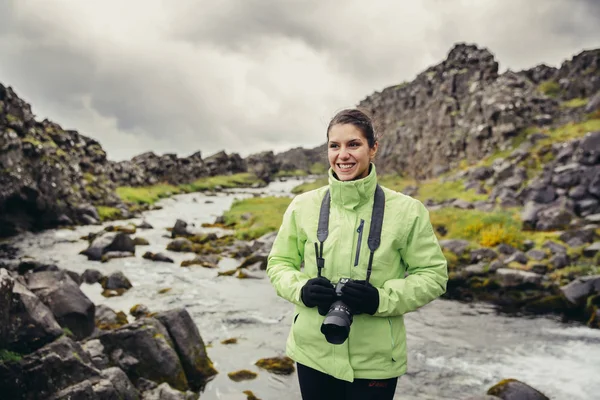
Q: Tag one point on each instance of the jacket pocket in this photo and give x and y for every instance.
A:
(359, 241)
(392, 341)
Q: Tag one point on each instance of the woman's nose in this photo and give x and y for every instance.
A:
(344, 153)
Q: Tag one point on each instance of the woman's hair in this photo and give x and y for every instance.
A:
(357, 118)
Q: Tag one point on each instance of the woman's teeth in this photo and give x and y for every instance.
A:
(346, 166)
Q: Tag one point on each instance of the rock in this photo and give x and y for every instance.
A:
(116, 280)
(559, 260)
(514, 278)
(455, 246)
(483, 254)
(166, 392)
(70, 306)
(512, 389)
(553, 218)
(50, 369)
(517, 256)
(110, 242)
(27, 323)
(554, 247)
(180, 245)
(585, 235)
(536, 254)
(581, 288)
(180, 229)
(189, 346)
(139, 310)
(95, 351)
(145, 225)
(157, 257)
(587, 153)
(144, 349)
(592, 249)
(91, 276)
(506, 249)
(123, 386)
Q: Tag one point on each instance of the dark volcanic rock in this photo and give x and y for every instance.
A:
(46, 172)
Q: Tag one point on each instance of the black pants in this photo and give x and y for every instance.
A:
(315, 385)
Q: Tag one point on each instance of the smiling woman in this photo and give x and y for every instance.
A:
(351, 293)
(351, 145)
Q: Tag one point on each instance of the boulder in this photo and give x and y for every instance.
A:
(109, 242)
(510, 278)
(27, 323)
(189, 346)
(512, 389)
(578, 291)
(70, 306)
(144, 349)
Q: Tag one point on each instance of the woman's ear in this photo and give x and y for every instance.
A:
(373, 151)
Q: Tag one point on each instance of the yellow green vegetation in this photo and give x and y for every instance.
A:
(308, 186)
(242, 375)
(296, 172)
(146, 194)
(8, 356)
(318, 168)
(223, 181)
(277, 365)
(151, 194)
(250, 395)
(565, 275)
(574, 103)
(550, 88)
(486, 228)
(254, 217)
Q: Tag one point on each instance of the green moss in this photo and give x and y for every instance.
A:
(296, 172)
(486, 228)
(277, 365)
(108, 213)
(11, 119)
(574, 103)
(146, 194)
(266, 214)
(223, 181)
(318, 168)
(250, 395)
(308, 186)
(9, 356)
(550, 88)
(242, 375)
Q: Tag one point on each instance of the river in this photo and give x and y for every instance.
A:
(455, 350)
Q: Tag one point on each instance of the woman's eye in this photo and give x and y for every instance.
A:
(332, 146)
(354, 144)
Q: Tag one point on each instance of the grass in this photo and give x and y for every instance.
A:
(574, 103)
(296, 172)
(550, 88)
(108, 213)
(265, 216)
(151, 194)
(7, 355)
(308, 186)
(487, 229)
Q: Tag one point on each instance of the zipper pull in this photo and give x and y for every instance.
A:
(359, 241)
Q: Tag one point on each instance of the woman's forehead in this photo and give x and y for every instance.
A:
(345, 133)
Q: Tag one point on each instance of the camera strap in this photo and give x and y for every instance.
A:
(374, 231)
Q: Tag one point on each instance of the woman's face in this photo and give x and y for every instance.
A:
(348, 152)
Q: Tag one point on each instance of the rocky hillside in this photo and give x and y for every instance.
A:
(462, 109)
(48, 176)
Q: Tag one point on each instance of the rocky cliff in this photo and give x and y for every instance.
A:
(463, 109)
(48, 176)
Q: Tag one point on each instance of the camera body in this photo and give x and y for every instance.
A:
(338, 318)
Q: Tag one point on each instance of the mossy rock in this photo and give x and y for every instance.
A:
(512, 389)
(140, 241)
(128, 229)
(229, 341)
(250, 395)
(231, 272)
(242, 375)
(548, 304)
(277, 365)
(113, 292)
(165, 290)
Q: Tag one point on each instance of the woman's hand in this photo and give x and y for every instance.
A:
(318, 292)
(361, 297)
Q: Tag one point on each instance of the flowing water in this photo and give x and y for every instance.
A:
(455, 350)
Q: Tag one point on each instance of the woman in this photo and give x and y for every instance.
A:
(406, 271)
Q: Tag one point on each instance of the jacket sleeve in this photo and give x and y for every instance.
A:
(426, 267)
(285, 258)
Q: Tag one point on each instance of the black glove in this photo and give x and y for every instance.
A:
(361, 297)
(318, 292)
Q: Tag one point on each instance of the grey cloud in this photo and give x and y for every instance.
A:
(176, 88)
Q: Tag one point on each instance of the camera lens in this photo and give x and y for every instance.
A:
(336, 325)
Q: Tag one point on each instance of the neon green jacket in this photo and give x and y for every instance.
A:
(409, 270)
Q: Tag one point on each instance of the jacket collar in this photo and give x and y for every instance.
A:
(352, 194)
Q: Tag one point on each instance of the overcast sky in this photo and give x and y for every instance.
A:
(247, 76)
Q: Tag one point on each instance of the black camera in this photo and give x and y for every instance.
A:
(336, 325)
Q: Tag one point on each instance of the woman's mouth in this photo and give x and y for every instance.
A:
(345, 167)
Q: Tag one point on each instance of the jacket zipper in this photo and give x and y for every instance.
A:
(392, 337)
(360, 232)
